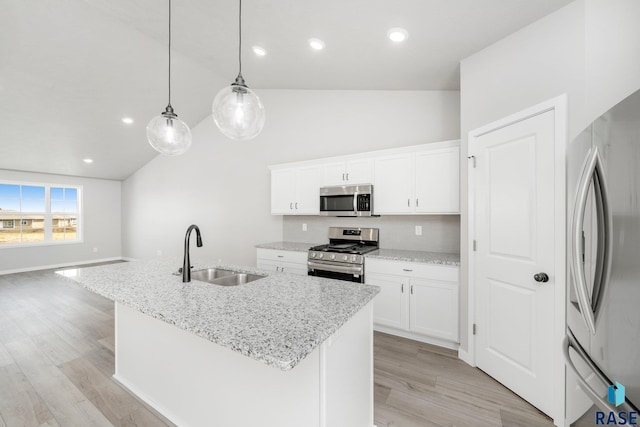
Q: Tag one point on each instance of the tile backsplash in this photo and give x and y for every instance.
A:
(440, 233)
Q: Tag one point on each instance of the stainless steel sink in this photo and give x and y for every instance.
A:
(236, 279)
(222, 277)
(210, 274)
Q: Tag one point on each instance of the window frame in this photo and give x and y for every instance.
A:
(48, 215)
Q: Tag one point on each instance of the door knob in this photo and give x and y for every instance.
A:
(541, 277)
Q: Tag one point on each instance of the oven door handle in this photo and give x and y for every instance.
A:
(336, 268)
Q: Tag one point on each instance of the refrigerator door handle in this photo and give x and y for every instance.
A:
(571, 342)
(592, 173)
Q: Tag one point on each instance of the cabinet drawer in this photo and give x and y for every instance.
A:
(412, 269)
(286, 256)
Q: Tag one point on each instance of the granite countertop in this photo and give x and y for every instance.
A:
(416, 256)
(277, 320)
(288, 246)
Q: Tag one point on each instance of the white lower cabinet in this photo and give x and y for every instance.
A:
(282, 261)
(416, 300)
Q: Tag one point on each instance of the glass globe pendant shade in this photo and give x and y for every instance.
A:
(238, 112)
(168, 134)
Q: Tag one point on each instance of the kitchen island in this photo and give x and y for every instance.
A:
(284, 350)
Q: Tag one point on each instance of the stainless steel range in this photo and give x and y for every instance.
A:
(343, 257)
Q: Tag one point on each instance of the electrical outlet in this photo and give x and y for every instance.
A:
(304, 227)
(418, 230)
(159, 252)
(95, 250)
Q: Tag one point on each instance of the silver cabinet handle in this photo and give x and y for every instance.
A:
(291, 205)
(296, 205)
(411, 289)
(280, 256)
(417, 203)
(402, 288)
(347, 176)
(343, 176)
(406, 269)
(408, 203)
(592, 172)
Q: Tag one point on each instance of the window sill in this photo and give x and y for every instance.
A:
(37, 244)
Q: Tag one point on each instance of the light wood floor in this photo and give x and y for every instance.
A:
(56, 362)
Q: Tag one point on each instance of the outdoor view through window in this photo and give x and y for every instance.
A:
(38, 213)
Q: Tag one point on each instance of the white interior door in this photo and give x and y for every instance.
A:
(515, 240)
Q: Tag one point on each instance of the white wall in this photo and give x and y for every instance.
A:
(101, 228)
(224, 186)
(588, 50)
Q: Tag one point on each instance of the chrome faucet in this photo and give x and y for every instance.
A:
(186, 262)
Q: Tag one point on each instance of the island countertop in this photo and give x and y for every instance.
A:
(277, 320)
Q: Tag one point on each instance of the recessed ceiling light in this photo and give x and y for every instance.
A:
(87, 160)
(397, 34)
(316, 44)
(127, 120)
(259, 51)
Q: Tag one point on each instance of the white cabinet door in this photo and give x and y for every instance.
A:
(308, 180)
(390, 306)
(293, 268)
(359, 171)
(283, 191)
(334, 173)
(393, 191)
(437, 181)
(434, 308)
(268, 265)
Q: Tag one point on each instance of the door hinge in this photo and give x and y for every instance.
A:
(474, 160)
(474, 245)
(474, 329)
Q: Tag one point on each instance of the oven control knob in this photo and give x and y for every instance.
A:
(313, 254)
(320, 255)
(354, 258)
(345, 257)
(333, 256)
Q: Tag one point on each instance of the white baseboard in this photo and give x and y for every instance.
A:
(417, 337)
(126, 258)
(67, 264)
(466, 357)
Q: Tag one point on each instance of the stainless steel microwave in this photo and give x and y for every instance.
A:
(347, 200)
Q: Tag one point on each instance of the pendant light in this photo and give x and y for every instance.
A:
(167, 133)
(237, 110)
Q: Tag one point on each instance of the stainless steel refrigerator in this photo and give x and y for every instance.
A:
(602, 348)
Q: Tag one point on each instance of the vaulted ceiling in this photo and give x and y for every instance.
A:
(70, 70)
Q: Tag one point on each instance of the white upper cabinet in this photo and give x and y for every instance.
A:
(393, 188)
(308, 181)
(423, 182)
(348, 172)
(437, 181)
(422, 179)
(296, 190)
(283, 191)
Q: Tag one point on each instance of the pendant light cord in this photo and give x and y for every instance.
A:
(240, 37)
(169, 52)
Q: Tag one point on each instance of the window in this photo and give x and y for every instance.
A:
(32, 214)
